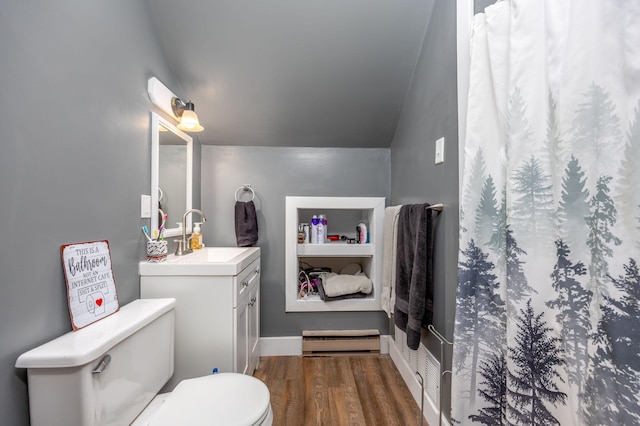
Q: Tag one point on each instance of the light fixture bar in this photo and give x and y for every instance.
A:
(167, 101)
(161, 96)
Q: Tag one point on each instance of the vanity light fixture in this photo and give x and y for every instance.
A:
(188, 118)
(167, 101)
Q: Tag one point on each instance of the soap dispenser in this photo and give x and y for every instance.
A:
(196, 237)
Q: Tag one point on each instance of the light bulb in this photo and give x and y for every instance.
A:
(189, 122)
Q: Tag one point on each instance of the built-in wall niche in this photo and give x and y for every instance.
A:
(343, 215)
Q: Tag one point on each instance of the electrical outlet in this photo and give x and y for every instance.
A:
(440, 151)
(145, 206)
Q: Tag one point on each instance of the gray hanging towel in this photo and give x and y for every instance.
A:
(246, 223)
(414, 272)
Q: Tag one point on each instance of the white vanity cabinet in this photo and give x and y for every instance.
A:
(247, 321)
(217, 321)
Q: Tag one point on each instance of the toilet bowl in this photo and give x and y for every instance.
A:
(110, 372)
(223, 399)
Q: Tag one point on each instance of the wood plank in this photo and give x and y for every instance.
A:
(345, 406)
(379, 404)
(402, 405)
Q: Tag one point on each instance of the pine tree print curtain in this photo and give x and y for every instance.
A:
(547, 327)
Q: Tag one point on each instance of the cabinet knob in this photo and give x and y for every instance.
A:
(245, 283)
(252, 302)
(257, 271)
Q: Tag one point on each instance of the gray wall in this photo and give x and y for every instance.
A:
(430, 112)
(74, 159)
(275, 173)
(480, 5)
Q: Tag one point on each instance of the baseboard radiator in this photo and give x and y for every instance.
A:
(410, 364)
(340, 342)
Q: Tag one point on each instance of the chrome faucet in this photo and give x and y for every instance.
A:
(183, 248)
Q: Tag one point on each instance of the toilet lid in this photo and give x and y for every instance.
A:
(218, 399)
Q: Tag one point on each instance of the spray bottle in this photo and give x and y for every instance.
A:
(323, 219)
(321, 230)
(314, 229)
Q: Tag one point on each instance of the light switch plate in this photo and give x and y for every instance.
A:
(145, 206)
(440, 151)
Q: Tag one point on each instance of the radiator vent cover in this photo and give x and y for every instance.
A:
(337, 342)
(430, 370)
(423, 362)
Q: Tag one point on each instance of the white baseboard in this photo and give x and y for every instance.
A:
(384, 344)
(430, 410)
(281, 346)
(292, 345)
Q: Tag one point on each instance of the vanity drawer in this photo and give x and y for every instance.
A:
(245, 281)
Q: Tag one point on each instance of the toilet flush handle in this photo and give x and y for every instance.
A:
(103, 364)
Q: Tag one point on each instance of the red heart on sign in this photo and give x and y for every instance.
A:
(99, 302)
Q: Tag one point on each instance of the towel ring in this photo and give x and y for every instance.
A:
(245, 187)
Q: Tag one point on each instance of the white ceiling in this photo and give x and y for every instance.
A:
(314, 73)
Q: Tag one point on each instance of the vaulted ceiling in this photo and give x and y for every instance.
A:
(315, 73)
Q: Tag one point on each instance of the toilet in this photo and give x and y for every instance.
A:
(110, 373)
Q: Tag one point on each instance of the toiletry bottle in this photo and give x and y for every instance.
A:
(362, 233)
(314, 229)
(200, 243)
(321, 233)
(323, 219)
(196, 237)
(307, 231)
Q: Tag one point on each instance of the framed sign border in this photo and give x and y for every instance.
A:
(66, 278)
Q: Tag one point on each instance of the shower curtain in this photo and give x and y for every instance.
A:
(547, 327)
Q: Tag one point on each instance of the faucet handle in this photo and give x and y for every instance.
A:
(179, 248)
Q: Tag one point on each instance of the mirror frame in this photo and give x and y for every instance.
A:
(156, 121)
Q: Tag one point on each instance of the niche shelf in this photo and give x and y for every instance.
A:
(343, 215)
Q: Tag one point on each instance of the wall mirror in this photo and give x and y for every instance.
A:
(171, 175)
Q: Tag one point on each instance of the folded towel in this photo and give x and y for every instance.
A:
(341, 284)
(246, 223)
(389, 247)
(326, 298)
(414, 272)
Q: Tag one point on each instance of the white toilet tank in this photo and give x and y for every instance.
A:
(135, 343)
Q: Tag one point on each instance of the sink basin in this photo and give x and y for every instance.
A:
(210, 254)
(206, 261)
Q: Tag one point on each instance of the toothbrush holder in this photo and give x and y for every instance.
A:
(157, 251)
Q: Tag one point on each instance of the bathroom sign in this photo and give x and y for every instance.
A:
(91, 290)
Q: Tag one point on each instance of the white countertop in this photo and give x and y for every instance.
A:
(206, 261)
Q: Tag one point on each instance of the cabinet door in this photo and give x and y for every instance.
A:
(254, 329)
(242, 336)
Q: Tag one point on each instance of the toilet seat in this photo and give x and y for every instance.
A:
(218, 399)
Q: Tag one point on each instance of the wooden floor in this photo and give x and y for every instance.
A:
(340, 390)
